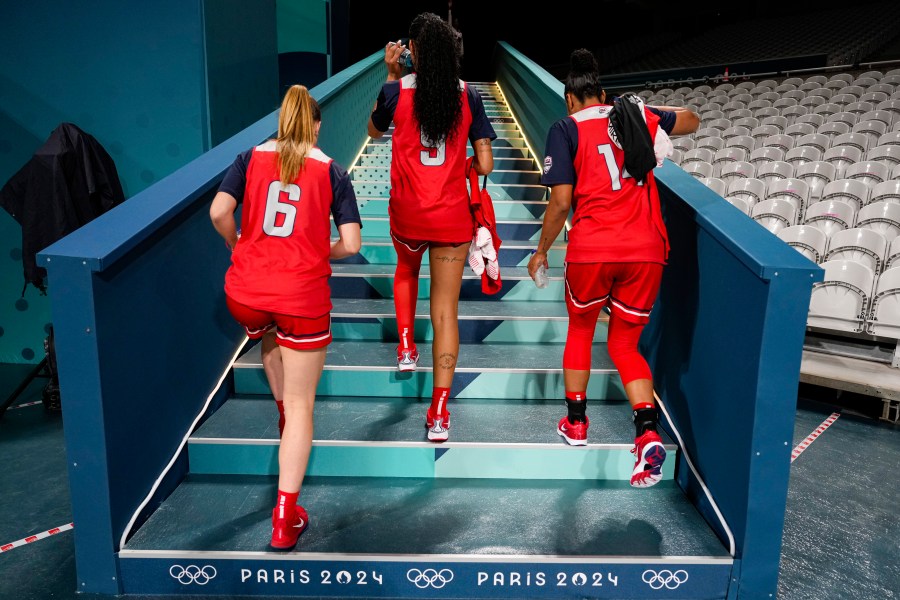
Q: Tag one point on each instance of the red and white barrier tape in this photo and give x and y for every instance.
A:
(38, 536)
(25, 404)
(802, 446)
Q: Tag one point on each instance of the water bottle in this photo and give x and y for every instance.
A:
(540, 277)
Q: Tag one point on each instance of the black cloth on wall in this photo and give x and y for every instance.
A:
(68, 182)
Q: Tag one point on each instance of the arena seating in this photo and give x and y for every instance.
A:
(815, 161)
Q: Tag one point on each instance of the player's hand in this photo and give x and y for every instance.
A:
(537, 259)
(392, 53)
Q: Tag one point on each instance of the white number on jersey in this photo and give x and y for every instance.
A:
(275, 206)
(614, 174)
(433, 156)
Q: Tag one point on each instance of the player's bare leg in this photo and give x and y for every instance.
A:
(272, 365)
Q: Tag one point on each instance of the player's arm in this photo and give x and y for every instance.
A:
(554, 220)
(348, 244)
(484, 156)
(221, 212)
(686, 120)
(392, 52)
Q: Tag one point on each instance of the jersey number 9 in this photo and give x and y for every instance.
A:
(275, 207)
(433, 156)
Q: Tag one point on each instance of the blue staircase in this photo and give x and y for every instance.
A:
(502, 510)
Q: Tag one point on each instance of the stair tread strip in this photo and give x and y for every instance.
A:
(468, 310)
(387, 271)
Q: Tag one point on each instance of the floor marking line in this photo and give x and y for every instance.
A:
(802, 446)
(38, 536)
(25, 404)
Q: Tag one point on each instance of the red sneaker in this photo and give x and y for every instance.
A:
(407, 360)
(438, 425)
(287, 527)
(575, 434)
(650, 455)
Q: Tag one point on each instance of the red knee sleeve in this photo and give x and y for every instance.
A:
(580, 337)
(622, 343)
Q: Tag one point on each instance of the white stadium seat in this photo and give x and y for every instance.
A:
(764, 113)
(727, 155)
(699, 170)
(874, 96)
(799, 130)
(720, 124)
(827, 109)
(734, 132)
(869, 172)
(791, 190)
(818, 79)
(813, 119)
(761, 155)
(842, 100)
(890, 139)
(749, 190)
(842, 157)
(773, 171)
(711, 143)
(872, 130)
(676, 156)
(774, 215)
(813, 102)
(759, 104)
(697, 155)
(830, 216)
(816, 140)
(847, 118)
(741, 141)
(845, 77)
(785, 102)
(808, 241)
(876, 75)
(800, 156)
(884, 316)
(857, 140)
(777, 120)
(887, 191)
(817, 175)
(739, 204)
(792, 113)
(715, 184)
(683, 143)
(785, 142)
(736, 170)
(893, 254)
(750, 123)
(889, 155)
(833, 129)
(859, 107)
(861, 245)
(841, 301)
(759, 134)
(884, 116)
(883, 217)
(891, 106)
(854, 193)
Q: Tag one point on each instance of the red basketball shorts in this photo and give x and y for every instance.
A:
(630, 289)
(297, 333)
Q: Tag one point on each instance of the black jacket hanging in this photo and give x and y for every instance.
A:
(630, 128)
(68, 182)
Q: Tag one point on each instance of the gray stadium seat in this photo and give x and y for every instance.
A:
(817, 175)
(736, 170)
(872, 130)
(769, 83)
(734, 132)
(778, 121)
(864, 246)
(818, 79)
(774, 215)
(824, 93)
(720, 124)
(859, 108)
(709, 143)
(764, 155)
(745, 85)
(801, 155)
(847, 118)
(884, 116)
(741, 141)
(677, 156)
(733, 105)
(883, 217)
(886, 191)
(889, 155)
(715, 184)
(808, 241)
(869, 172)
(856, 140)
(811, 118)
(796, 95)
(845, 77)
(727, 155)
(893, 254)
(699, 170)
(895, 173)
(827, 110)
(797, 81)
(874, 97)
(785, 142)
(704, 155)
(835, 86)
(740, 113)
(749, 189)
(759, 104)
(706, 132)
(724, 87)
(830, 216)
(782, 103)
(800, 129)
(843, 100)
(890, 139)
(842, 157)
(876, 75)
(815, 140)
(854, 193)
(881, 89)
(794, 191)
(759, 134)
(793, 112)
(832, 130)
(864, 82)
(891, 106)
(841, 301)
(784, 88)
(770, 95)
(884, 317)
(739, 204)
(748, 122)
(853, 90)
(808, 86)
(683, 143)
(774, 171)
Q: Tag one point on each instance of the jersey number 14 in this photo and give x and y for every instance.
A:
(615, 175)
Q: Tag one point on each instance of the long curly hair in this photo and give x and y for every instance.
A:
(437, 103)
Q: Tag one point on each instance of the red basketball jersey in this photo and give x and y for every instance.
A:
(280, 263)
(429, 199)
(616, 219)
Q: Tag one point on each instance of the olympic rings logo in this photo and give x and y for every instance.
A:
(429, 578)
(664, 578)
(192, 574)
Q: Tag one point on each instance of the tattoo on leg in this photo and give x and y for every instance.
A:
(447, 360)
(448, 259)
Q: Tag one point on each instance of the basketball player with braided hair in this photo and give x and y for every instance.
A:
(616, 250)
(434, 113)
(277, 286)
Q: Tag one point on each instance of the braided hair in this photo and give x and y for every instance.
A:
(437, 103)
(583, 80)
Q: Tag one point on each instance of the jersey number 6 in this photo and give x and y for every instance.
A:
(275, 207)
(433, 156)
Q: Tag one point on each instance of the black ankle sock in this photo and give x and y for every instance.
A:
(576, 410)
(645, 419)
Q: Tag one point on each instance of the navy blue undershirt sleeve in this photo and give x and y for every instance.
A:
(235, 180)
(386, 105)
(666, 119)
(343, 205)
(481, 126)
(559, 154)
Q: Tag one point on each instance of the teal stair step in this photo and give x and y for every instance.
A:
(376, 281)
(378, 437)
(467, 538)
(499, 152)
(383, 173)
(367, 368)
(514, 228)
(504, 164)
(498, 192)
(503, 209)
(380, 250)
(479, 322)
(500, 142)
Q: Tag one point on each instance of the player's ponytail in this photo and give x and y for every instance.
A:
(296, 131)
(583, 80)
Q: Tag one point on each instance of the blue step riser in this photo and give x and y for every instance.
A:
(496, 177)
(378, 207)
(393, 384)
(501, 164)
(377, 189)
(587, 463)
(470, 331)
(300, 575)
(382, 287)
(509, 257)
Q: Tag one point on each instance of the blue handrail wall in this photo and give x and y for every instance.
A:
(143, 335)
(724, 343)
